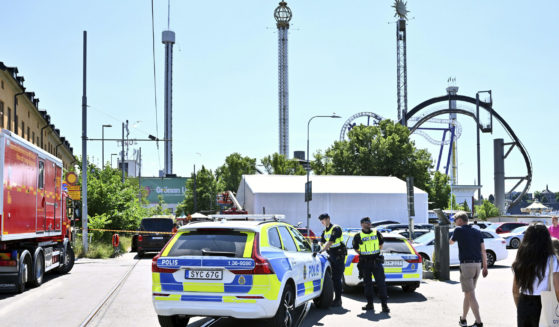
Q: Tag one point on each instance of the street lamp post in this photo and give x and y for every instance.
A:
(113, 154)
(308, 188)
(103, 145)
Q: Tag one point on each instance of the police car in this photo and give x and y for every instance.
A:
(254, 268)
(402, 264)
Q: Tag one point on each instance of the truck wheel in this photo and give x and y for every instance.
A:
(284, 316)
(173, 321)
(38, 269)
(325, 299)
(23, 273)
(69, 259)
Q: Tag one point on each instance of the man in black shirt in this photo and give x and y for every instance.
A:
(332, 242)
(368, 244)
(471, 252)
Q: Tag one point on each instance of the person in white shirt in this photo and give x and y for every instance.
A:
(531, 273)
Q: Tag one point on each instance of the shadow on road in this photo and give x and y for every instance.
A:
(395, 295)
(8, 292)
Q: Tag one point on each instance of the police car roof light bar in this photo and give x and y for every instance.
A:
(248, 217)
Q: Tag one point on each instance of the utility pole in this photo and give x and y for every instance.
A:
(140, 172)
(122, 155)
(84, 146)
(195, 202)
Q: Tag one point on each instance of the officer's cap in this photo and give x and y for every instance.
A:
(323, 216)
(366, 220)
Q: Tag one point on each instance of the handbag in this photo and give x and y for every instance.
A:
(550, 307)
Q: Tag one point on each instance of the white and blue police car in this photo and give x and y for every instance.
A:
(241, 267)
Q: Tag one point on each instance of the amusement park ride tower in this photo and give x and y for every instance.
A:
(283, 15)
(402, 72)
(168, 40)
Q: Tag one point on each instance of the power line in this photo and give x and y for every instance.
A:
(155, 84)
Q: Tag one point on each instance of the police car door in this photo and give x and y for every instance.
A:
(312, 271)
(296, 260)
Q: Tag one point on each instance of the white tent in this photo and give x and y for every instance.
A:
(346, 199)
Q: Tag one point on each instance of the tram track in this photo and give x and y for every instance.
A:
(93, 314)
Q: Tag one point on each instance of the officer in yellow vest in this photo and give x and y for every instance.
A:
(332, 242)
(368, 244)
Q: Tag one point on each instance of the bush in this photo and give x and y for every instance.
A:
(101, 248)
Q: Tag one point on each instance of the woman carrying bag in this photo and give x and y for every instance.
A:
(536, 273)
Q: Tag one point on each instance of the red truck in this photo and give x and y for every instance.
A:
(34, 226)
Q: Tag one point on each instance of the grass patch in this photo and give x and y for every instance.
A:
(101, 248)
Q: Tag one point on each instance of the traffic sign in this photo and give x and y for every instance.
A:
(308, 191)
(71, 178)
(74, 192)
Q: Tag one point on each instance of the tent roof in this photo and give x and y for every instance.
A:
(326, 184)
(536, 206)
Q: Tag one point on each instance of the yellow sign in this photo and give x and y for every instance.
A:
(71, 178)
(74, 192)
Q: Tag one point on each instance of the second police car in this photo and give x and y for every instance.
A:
(402, 264)
(248, 269)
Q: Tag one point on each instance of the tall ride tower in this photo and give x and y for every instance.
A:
(282, 14)
(168, 40)
(402, 72)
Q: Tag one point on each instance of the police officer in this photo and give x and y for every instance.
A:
(332, 242)
(368, 244)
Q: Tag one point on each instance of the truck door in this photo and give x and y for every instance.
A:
(41, 218)
(50, 191)
(58, 207)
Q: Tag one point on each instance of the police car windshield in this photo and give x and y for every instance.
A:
(425, 238)
(392, 245)
(212, 243)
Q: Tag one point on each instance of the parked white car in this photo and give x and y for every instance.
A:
(495, 247)
(514, 237)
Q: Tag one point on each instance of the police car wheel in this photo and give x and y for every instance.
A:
(409, 288)
(325, 299)
(173, 321)
(284, 316)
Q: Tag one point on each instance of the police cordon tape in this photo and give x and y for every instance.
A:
(124, 231)
(148, 232)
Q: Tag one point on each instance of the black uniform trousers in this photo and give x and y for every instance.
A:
(337, 261)
(371, 266)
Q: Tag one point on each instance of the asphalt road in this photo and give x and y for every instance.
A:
(67, 300)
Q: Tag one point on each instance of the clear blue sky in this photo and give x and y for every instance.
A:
(342, 58)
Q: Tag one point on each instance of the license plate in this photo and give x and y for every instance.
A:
(204, 274)
(157, 238)
(393, 263)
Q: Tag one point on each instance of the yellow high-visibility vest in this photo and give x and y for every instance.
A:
(370, 244)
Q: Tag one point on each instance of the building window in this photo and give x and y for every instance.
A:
(32, 137)
(9, 118)
(22, 129)
(1, 114)
(28, 134)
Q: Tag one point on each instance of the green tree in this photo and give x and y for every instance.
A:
(112, 204)
(278, 164)
(161, 208)
(486, 210)
(230, 174)
(438, 190)
(383, 150)
(465, 206)
(207, 188)
(538, 196)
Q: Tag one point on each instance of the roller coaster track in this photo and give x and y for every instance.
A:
(516, 141)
